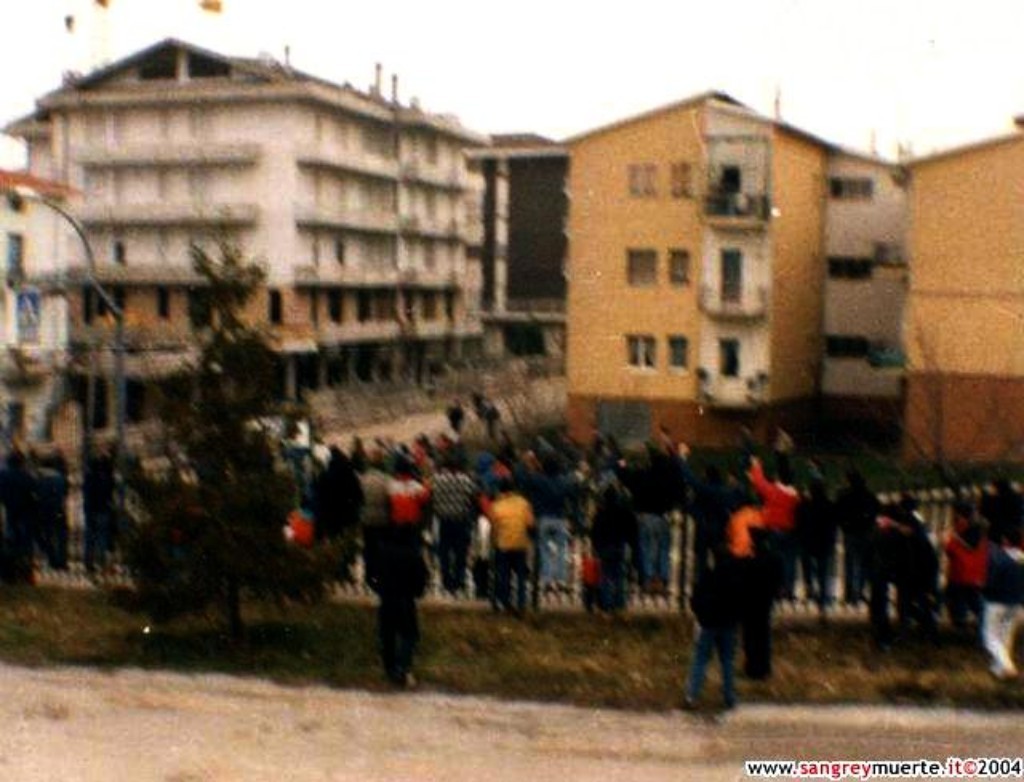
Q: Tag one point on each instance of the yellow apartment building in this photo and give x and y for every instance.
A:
(696, 273)
(964, 325)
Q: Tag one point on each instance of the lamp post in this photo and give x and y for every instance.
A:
(30, 194)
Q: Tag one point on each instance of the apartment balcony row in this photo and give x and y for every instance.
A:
(393, 331)
(138, 337)
(198, 155)
(434, 228)
(429, 174)
(359, 165)
(737, 211)
(311, 276)
(749, 303)
(185, 214)
(732, 392)
(378, 221)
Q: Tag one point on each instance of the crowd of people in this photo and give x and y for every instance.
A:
(509, 522)
(34, 501)
(504, 523)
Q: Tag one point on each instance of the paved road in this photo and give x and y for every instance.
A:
(135, 726)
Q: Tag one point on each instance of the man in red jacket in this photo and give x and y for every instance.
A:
(779, 501)
(966, 550)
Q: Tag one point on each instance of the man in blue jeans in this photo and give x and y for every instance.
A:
(716, 604)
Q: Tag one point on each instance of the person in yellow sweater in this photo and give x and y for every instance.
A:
(512, 523)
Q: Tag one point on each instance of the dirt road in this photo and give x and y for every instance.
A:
(134, 726)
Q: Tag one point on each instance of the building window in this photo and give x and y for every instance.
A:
(851, 188)
(364, 306)
(846, 346)
(449, 305)
(163, 303)
(117, 296)
(15, 258)
(334, 307)
(679, 267)
(641, 351)
(274, 307)
(339, 250)
(88, 306)
(199, 311)
(643, 180)
(642, 267)
(120, 252)
(732, 275)
(429, 306)
(681, 176)
(678, 352)
(314, 307)
(850, 268)
(729, 357)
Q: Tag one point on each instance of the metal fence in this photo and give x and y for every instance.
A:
(934, 506)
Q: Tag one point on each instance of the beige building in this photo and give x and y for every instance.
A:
(360, 208)
(964, 326)
(865, 291)
(33, 315)
(696, 273)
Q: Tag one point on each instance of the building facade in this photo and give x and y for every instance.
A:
(33, 314)
(695, 273)
(964, 326)
(360, 209)
(523, 256)
(865, 293)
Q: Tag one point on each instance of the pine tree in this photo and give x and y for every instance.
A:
(210, 526)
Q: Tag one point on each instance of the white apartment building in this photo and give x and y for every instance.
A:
(360, 208)
(866, 286)
(33, 315)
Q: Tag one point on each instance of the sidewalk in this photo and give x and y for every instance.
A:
(83, 725)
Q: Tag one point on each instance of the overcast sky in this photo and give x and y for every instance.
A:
(935, 73)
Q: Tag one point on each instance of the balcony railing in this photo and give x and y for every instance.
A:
(750, 304)
(370, 220)
(169, 213)
(743, 392)
(737, 209)
(184, 155)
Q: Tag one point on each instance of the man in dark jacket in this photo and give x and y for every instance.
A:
(337, 497)
(18, 497)
(98, 504)
(856, 511)
(613, 529)
(401, 579)
(715, 603)
(714, 501)
(816, 534)
(52, 489)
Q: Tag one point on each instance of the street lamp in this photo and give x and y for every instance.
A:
(24, 193)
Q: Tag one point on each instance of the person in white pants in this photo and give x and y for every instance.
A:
(1004, 595)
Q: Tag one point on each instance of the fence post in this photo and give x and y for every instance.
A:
(684, 547)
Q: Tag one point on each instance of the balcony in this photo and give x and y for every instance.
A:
(732, 393)
(169, 214)
(749, 303)
(174, 335)
(171, 155)
(361, 165)
(365, 220)
(737, 211)
(355, 332)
